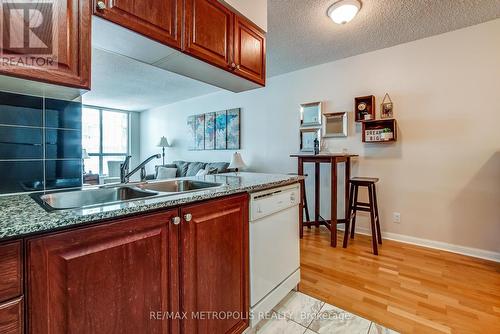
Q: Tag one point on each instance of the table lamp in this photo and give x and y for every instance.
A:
(237, 162)
(163, 143)
(85, 156)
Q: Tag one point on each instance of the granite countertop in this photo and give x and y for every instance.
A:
(20, 215)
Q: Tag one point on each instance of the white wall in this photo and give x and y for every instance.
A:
(443, 174)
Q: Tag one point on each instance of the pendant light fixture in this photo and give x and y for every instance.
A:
(343, 11)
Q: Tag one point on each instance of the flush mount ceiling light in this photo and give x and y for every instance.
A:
(344, 11)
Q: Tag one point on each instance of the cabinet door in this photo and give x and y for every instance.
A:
(111, 278)
(11, 270)
(249, 50)
(157, 19)
(209, 32)
(11, 317)
(47, 41)
(214, 265)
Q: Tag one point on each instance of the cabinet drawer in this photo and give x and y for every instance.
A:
(11, 317)
(11, 270)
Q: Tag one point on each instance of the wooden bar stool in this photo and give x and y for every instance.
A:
(371, 207)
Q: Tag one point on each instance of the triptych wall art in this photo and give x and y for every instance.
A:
(215, 130)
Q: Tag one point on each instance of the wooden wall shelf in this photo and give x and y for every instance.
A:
(369, 101)
(371, 130)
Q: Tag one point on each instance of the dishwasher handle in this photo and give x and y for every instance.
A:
(272, 202)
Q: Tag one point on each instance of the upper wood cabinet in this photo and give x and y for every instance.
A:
(216, 35)
(160, 20)
(102, 279)
(53, 45)
(249, 50)
(208, 32)
(214, 265)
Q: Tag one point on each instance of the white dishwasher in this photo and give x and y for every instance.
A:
(274, 247)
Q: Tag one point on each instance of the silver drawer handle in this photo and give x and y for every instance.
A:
(176, 220)
(188, 217)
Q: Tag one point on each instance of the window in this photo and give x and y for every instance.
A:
(106, 138)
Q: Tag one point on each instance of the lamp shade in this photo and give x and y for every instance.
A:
(163, 142)
(237, 162)
(85, 154)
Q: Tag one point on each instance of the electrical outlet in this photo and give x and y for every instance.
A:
(396, 217)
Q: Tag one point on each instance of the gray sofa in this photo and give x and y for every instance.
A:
(187, 168)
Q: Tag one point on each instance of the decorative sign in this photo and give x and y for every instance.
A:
(373, 135)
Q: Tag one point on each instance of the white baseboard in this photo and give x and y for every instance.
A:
(469, 251)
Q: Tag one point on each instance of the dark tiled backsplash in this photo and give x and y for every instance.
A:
(20, 143)
(18, 176)
(63, 144)
(40, 147)
(63, 114)
(63, 174)
(18, 109)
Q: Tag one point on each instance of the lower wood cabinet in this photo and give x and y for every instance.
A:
(214, 266)
(176, 271)
(101, 279)
(11, 317)
(11, 270)
(11, 288)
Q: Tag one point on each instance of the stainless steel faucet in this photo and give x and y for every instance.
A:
(124, 168)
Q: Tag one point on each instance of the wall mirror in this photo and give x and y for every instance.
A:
(310, 114)
(307, 136)
(335, 125)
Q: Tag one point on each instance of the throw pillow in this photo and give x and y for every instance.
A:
(166, 173)
(194, 167)
(202, 172)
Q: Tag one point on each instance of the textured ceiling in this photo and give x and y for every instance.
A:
(124, 83)
(300, 34)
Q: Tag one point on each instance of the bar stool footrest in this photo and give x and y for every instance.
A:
(362, 209)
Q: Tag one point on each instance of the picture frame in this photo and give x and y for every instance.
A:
(310, 114)
(387, 108)
(191, 125)
(199, 135)
(233, 129)
(210, 131)
(220, 130)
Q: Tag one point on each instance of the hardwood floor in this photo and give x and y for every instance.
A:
(408, 288)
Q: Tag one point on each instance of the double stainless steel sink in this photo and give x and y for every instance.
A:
(120, 193)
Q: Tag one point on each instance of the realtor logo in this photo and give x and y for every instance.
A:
(28, 33)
